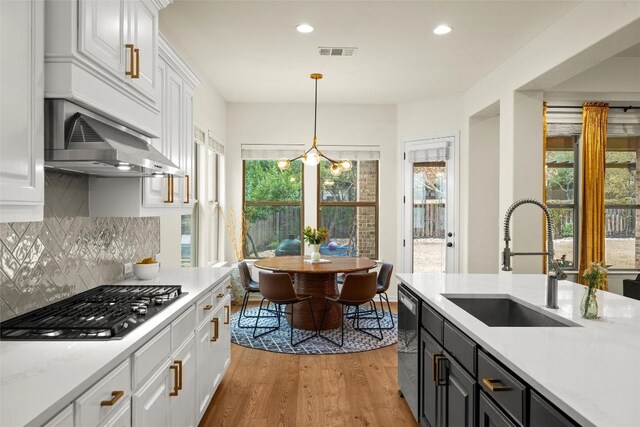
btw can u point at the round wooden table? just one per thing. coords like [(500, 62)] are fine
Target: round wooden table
[(317, 280)]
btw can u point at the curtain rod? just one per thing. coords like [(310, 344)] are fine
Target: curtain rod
[(625, 109)]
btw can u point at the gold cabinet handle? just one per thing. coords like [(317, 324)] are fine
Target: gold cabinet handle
[(434, 364), (115, 396), (169, 189), (137, 73), (176, 379), (188, 185), (495, 385), (130, 72), (227, 313), (229, 286), (220, 295), (179, 363), (207, 307), (215, 322)]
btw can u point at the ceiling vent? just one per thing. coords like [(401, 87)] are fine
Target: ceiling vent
[(337, 51)]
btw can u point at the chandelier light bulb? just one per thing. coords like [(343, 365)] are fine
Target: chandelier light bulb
[(346, 165), (283, 164), (335, 169), (311, 159)]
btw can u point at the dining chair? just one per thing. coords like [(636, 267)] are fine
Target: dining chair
[(358, 289), (250, 286), (383, 281), (278, 289)]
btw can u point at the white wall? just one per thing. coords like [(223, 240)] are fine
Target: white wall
[(484, 219), (337, 125)]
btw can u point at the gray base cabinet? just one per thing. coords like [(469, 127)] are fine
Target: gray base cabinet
[(448, 392), (462, 385)]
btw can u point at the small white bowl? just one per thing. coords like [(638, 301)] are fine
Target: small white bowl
[(146, 271)]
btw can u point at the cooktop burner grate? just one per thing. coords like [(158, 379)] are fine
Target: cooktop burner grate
[(105, 312)]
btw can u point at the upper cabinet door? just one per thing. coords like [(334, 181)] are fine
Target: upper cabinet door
[(173, 127), (187, 144), (21, 110), (143, 35), (101, 34)]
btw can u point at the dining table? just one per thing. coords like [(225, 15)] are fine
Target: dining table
[(317, 280)]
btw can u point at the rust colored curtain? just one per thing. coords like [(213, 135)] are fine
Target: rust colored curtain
[(594, 145), (544, 181)]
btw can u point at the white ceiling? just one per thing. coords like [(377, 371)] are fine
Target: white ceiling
[(251, 51)]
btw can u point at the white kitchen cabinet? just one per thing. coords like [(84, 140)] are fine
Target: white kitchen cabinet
[(63, 419), (211, 354), (151, 401), (183, 405), (101, 33), (102, 402), (102, 54), (143, 35), (21, 111), (187, 146)]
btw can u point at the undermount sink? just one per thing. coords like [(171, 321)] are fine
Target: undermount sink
[(503, 311)]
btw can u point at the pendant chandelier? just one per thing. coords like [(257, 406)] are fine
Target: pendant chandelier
[(313, 155)]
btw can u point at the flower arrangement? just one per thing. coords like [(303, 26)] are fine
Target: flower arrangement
[(595, 277), (315, 237)]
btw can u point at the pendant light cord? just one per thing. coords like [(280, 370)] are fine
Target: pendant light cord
[(315, 114)]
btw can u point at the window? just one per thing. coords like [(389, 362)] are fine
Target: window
[(348, 207), (622, 188), (561, 189), (273, 206)]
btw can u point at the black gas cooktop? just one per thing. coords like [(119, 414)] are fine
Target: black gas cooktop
[(102, 313)]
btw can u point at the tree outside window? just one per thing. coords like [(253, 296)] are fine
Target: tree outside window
[(272, 205)]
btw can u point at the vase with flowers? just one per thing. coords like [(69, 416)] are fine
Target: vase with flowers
[(314, 237), (595, 277)]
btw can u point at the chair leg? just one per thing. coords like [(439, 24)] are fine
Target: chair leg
[(271, 329), (315, 330), (324, 312), (243, 311), (365, 330), (386, 297), (385, 328)]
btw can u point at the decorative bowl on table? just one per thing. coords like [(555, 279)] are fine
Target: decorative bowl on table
[(146, 271)]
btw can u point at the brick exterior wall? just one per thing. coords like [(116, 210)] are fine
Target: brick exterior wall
[(366, 216)]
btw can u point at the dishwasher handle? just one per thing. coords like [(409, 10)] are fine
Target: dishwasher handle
[(408, 301)]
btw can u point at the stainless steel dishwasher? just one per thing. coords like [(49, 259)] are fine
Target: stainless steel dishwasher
[(408, 333)]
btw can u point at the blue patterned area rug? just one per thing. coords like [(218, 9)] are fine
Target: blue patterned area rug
[(278, 341)]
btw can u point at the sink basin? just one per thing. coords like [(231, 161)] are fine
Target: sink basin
[(504, 311)]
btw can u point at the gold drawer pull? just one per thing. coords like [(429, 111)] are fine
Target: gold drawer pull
[(435, 375), (220, 295), (229, 286), (227, 312), (179, 363), (130, 72), (115, 396), (176, 379), (215, 322), (207, 307), (495, 385)]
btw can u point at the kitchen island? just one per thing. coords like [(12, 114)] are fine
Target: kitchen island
[(40, 380), (590, 371)]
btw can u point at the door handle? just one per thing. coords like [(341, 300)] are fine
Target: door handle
[(179, 363), (215, 322), (449, 244), (130, 71), (169, 189), (434, 367), (137, 73), (227, 312), (176, 379)]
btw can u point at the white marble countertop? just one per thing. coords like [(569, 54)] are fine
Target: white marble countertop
[(38, 379), (590, 372)]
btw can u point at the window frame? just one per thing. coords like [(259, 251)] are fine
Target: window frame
[(246, 203), (320, 204), (577, 199)]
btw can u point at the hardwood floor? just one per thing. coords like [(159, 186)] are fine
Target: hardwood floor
[(268, 389)]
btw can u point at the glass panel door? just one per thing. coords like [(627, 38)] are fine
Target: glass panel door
[(429, 217)]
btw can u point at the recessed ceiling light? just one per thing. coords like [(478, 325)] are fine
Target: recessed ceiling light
[(442, 29), (304, 28)]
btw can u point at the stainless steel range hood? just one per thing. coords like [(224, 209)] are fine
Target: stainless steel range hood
[(78, 140)]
